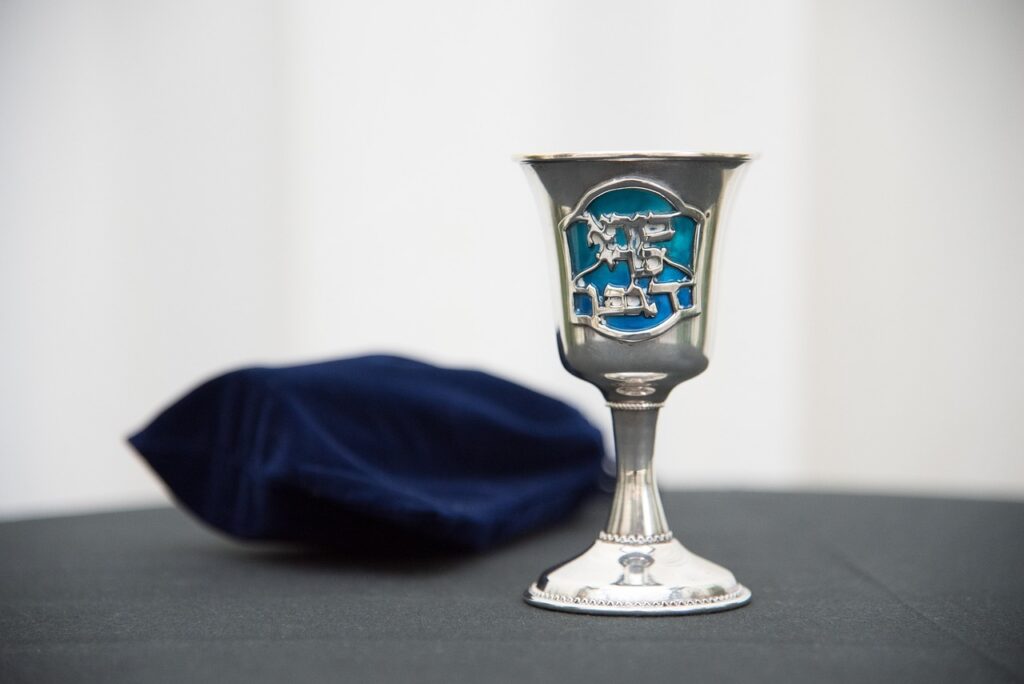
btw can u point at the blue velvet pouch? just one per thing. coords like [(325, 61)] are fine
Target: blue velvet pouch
[(376, 450)]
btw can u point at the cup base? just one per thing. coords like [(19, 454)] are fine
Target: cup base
[(611, 578)]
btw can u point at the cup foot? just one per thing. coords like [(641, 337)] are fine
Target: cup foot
[(611, 578)]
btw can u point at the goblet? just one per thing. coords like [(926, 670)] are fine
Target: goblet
[(634, 237)]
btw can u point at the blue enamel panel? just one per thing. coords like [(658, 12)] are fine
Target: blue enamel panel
[(628, 220), (584, 307)]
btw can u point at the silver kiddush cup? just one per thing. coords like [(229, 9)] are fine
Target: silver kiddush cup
[(634, 239)]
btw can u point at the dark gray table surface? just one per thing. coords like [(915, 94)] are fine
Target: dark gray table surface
[(846, 588)]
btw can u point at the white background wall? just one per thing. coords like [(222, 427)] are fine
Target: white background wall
[(189, 186)]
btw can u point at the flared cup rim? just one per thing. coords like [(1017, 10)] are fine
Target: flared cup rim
[(634, 156)]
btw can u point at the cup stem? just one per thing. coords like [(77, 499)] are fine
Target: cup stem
[(637, 514)]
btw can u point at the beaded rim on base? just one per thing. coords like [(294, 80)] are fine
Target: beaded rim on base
[(543, 599)]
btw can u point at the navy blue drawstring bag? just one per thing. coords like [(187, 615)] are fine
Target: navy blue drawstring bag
[(373, 452)]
